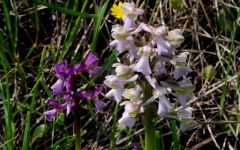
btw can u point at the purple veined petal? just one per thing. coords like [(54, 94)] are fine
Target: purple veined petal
[(91, 61), (129, 22), (69, 106), (62, 70), (77, 68), (113, 44), (94, 71), (84, 94), (134, 78), (127, 120), (142, 26), (55, 104), (121, 46), (143, 66), (68, 96), (129, 9), (50, 114), (57, 87), (182, 99), (164, 106), (152, 81), (90, 94), (163, 47), (99, 105), (116, 93), (69, 84), (180, 72), (133, 54), (97, 91), (118, 45)]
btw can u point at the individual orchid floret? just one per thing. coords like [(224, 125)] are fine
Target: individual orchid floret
[(50, 114), (129, 115), (117, 86), (122, 71), (143, 65), (164, 106), (159, 92), (133, 93), (63, 73), (175, 37), (158, 37), (93, 95), (131, 12), (57, 106), (180, 68), (184, 92), (62, 70), (185, 117), (58, 87), (123, 41), (156, 33)]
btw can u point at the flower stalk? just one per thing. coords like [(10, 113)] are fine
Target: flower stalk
[(77, 126), (148, 120)]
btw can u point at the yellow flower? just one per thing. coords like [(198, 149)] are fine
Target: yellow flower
[(116, 10)]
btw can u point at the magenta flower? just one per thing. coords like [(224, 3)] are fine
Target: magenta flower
[(93, 95), (57, 106), (65, 87)]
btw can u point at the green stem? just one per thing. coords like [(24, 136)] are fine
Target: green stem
[(149, 127), (77, 125), (148, 119)]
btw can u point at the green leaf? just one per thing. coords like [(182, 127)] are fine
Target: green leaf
[(178, 4), (39, 131), (66, 11)]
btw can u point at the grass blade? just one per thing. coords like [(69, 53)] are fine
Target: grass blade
[(35, 91), (7, 107), (66, 11), (98, 19), (174, 135)]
